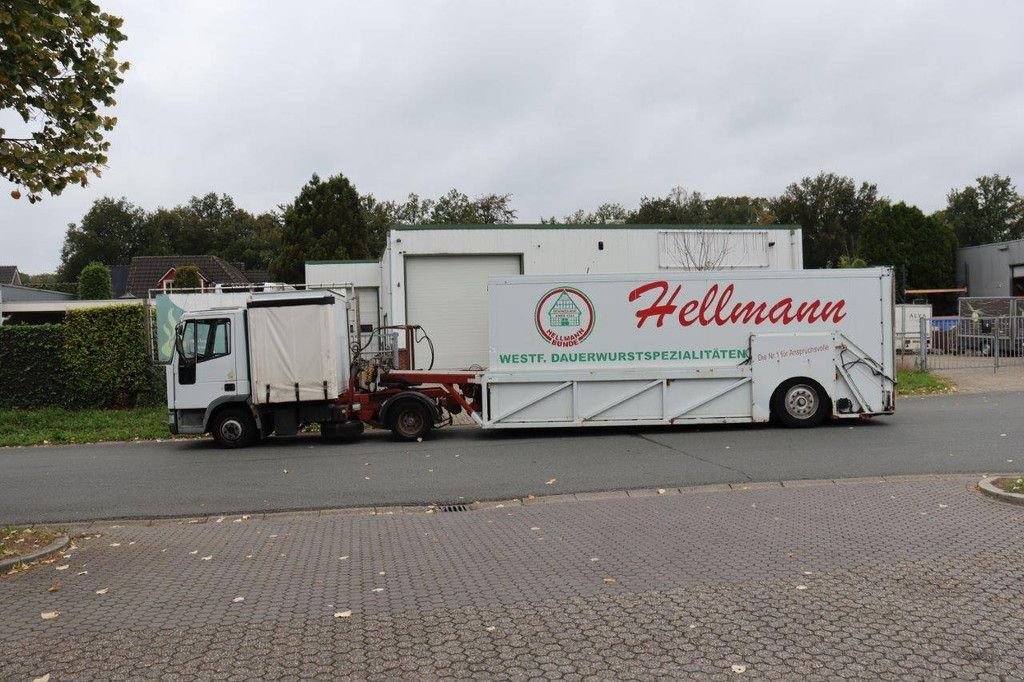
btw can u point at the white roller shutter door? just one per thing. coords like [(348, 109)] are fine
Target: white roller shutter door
[(447, 296)]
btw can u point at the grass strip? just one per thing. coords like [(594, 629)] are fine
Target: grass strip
[(911, 382), (52, 425)]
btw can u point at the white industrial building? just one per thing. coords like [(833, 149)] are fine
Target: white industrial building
[(436, 275)]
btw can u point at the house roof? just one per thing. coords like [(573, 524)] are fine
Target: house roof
[(145, 272), (9, 274), (258, 276)]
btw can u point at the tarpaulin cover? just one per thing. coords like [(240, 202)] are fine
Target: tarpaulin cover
[(293, 345)]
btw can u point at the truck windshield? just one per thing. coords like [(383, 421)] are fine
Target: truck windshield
[(203, 340)]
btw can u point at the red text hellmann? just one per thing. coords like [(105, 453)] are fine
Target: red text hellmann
[(717, 308)]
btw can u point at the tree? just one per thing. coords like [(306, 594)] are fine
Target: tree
[(58, 67), (922, 248), (94, 282), (992, 211), (456, 208), (112, 232), (830, 209), (608, 213), (213, 224), (187, 277), (324, 222), (680, 207)]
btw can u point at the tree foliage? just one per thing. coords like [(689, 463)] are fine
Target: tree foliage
[(112, 232), (187, 277), (455, 208), (990, 211), (830, 209), (58, 68), (325, 222), (94, 282), (921, 248)]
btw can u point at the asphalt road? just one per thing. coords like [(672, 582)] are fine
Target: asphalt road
[(940, 434)]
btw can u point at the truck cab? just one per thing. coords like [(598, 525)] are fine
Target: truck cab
[(209, 370)]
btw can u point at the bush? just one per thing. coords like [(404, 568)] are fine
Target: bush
[(94, 282), (31, 374), (97, 358), (187, 277), (104, 356)]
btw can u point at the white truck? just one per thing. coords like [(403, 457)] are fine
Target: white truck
[(587, 350)]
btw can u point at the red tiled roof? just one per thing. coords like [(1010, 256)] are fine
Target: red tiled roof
[(145, 272)]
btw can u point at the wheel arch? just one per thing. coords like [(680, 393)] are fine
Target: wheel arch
[(416, 396), (817, 385), (219, 404)]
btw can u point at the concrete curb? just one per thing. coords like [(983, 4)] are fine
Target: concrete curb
[(52, 548), (538, 500), (987, 486)]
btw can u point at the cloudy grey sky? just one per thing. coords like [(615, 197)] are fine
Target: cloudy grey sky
[(564, 104)]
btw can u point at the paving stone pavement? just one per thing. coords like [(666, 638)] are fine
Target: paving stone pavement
[(884, 580)]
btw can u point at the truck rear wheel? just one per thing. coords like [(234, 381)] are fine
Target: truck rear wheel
[(799, 403), (233, 427), (410, 420), (347, 431)]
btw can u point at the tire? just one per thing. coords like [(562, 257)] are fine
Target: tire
[(348, 431), (800, 403), (234, 427), (410, 420)]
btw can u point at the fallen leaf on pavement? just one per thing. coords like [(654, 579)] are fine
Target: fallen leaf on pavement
[(54, 587), (342, 614), (49, 615), (609, 581), (102, 590)]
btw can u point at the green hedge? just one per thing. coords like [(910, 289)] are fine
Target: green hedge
[(31, 374), (97, 358)]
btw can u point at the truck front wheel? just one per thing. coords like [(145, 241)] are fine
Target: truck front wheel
[(410, 420), (800, 403), (233, 427)]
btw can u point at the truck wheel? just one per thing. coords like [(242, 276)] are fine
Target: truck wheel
[(348, 431), (799, 403), (233, 427), (410, 420)]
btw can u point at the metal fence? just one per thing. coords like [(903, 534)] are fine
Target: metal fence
[(963, 342)]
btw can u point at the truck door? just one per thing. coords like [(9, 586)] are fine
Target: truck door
[(210, 361)]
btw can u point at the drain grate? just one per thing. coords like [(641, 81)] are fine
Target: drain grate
[(454, 507)]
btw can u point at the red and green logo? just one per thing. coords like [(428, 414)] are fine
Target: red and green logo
[(564, 317)]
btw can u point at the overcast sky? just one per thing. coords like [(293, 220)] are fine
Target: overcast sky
[(564, 104)]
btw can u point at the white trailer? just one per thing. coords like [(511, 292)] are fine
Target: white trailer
[(908, 326), (697, 347), (586, 350)]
